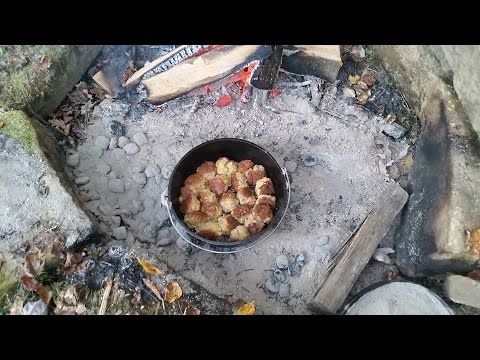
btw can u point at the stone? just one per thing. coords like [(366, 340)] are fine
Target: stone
[(73, 160), (393, 172), (183, 245), (102, 168), (296, 207), (319, 243), (167, 171), (164, 241), (284, 290), (131, 148), (122, 141), (138, 169), (295, 268), (116, 129), (35, 308), (116, 185), (291, 166), (281, 262), (140, 139), (463, 290), (120, 233), (102, 142), (140, 179), (394, 130), (309, 160), (278, 275), (152, 170), (113, 143), (118, 155), (272, 285), (82, 180), (149, 203), (138, 204), (116, 221), (151, 231)]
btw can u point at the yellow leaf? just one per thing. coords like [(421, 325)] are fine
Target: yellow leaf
[(474, 241), (246, 309), (349, 92), (149, 268), (173, 292), (353, 79), (407, 161)]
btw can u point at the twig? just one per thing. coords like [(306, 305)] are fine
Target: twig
[(106, 294)]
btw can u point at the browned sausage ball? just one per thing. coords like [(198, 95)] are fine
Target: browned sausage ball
[(245, 165), (228, 201), (264, 186), (266, 199), (195, 218), (207, 169), (239, 233), (227, 223), (239, 181), (209, 230), (241, 212), (255, 173), (246, 197)]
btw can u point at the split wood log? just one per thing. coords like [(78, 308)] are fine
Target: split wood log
[(265, 75), (335, 289), (202, 70), (322, 61)]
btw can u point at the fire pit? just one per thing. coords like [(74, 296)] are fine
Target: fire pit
[(235, 149)]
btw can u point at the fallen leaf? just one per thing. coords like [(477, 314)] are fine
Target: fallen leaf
[(407, 161), (246, 309), (153, 288), (149, 268), (474, 274), (33, 265), (363, 85), (81, 309), (474, 241), (191, 310), (353, 79), (17, 306), (381, 254), (224, 100), (33, 285), (45, 63), (390, 118), (357, 52), (18, 61), (173, 292), (369, 79), (349, 92), (2, 124), (71, 262)]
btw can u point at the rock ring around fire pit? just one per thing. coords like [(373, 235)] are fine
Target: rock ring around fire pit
[(235, 149)]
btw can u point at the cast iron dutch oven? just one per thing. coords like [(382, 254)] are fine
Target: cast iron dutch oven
[(235, 149)]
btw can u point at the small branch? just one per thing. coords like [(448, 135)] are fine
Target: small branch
[(106, 294)]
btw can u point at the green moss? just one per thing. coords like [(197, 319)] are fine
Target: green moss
[(17, 124), (22, 85)]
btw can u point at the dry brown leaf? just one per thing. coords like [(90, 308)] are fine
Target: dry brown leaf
[(362, 96), (153, 288), (246, 309), (363, 85), (353, 79), (474, 241), (17, 306), (349, 92), (33, 285), (2, 124), (390, 118), (474, 274), (71, 262), (45, 63), (33, 265), (357, 53), (149, 268), (369, 79), (173, 292), (191, 310)]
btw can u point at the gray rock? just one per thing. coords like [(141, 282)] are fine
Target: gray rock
[(140, 178), (150, 231), (118, 155), (284, 290), (296, 207), (394, 172), (106, 209), (394, 130), (132, 210), (113, 143), (463, 290), (102, 168), (281, 262), (138, 169), (111, 107), (140, 139), (319, 243), (164, 241), (152, 170), (149, 203), (131, 148), (309, 160), (115, 128), (272, 285), (120, 233), (122, 141), (167, 171), (291, 166), (73, 160), (295, 268), (102, 142), (279, 276), (82, 180), (183, 245), (95, 152), (138, 204), (35, 308), (116, 221), (116, 185)]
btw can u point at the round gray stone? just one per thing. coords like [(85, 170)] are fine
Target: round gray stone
[(149, 203), (95, 152), (138, 169), (122, 141), (102, 168), (150, 231), (291, 166), (116, 185), (131, 148), (167, 171), (319, 243), (115, 128), (140, 139), (113, 143), (138, 204), (284, 290), (118, 154), (140, 179), (281, 262), (102, 142), (82, 180), (116, 220), (278, 275), (272, 285), (119, 233), (73, 160), (309, 160), (152, 170), (164, 240)]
